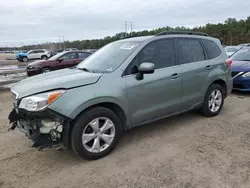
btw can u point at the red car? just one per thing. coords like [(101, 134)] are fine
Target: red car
[(59, 61)]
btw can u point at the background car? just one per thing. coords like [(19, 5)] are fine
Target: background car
[(241, 69), (60, 61), (230, 50), (33, 54), (70, 49), (244, 45)]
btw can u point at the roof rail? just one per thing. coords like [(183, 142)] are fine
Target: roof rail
[(181, 33)]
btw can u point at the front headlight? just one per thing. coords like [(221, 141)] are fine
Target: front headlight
[(246, 74), (40, 101)]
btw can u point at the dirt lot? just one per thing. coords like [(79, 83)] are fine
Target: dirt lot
[(12, 59), (185, 151)]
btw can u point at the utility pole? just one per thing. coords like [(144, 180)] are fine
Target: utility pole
[(63, 43), (131, 28), (60, 43), (126, 28)]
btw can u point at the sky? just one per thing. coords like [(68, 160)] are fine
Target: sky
[(36, 21)]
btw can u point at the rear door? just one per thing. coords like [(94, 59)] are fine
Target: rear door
[(193, 64)]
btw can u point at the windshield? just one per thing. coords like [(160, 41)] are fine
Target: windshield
[(242, 55), (109, 57), (55, 57)]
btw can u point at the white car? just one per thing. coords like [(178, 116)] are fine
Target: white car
[(230, 50), (34, 54)]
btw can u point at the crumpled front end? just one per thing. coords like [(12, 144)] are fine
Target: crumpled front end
[(46, 129)]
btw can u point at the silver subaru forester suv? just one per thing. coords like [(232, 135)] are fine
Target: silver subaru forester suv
[(125, 84)]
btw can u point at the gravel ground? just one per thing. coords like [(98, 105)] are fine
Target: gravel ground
[(187, 151)]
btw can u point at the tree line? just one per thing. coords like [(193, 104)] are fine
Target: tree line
[(231, 32)]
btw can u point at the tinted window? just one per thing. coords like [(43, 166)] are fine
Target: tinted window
[(83, 55), (190, 50), (69, 56), (161, 53), (212, 48)]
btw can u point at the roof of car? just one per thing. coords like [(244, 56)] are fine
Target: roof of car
[(169, 35)]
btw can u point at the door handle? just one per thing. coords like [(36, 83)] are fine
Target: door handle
[(208, 68), (174, 76)]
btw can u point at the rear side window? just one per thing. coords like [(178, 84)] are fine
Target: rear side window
[(212, 48), (83, 55), (190, 50)]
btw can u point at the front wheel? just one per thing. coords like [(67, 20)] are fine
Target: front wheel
[(44, 57), (213, 101), (25, 59), (45, 70), (95, 133)]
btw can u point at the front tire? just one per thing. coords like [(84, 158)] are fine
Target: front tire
[(214, 100), (44, 57), (95, 133), (25, 59), (45, 70)]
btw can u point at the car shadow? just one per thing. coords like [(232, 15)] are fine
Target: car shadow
[(157, 128), (241, 94)]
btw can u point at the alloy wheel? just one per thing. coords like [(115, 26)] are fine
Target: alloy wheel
[(98, 135), (215, 100)]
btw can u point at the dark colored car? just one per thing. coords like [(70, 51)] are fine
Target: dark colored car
[(241, 69), (59, 61)]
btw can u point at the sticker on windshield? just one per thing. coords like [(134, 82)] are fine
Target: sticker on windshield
[(128, 46)]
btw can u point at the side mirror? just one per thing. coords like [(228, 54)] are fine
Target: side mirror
[(60, 59), (145, 68)]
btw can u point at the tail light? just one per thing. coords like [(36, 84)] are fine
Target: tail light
[(229, 62)]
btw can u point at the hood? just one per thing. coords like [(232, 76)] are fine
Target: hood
[(37, 62), (21, 54), (61, 79), (241, 66)]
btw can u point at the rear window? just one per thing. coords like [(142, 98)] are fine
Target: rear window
[(212, 48)]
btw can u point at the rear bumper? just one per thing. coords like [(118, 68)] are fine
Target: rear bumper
[(229, 86)]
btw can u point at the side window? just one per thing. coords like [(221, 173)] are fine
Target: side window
[(161, 53), (69, 56), (39, 51), (212, 48), (83, 55), (190, 50)]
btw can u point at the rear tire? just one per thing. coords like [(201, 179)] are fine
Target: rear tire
[(85, 134), (214, 100)]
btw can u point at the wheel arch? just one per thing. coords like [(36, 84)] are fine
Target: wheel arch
[(109, 103), (220, 82)]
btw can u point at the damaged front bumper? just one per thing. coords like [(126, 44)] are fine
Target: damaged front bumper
[(45, 129)]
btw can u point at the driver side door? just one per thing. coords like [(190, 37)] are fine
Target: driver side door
[(67, 60), (158, 94)]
